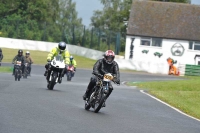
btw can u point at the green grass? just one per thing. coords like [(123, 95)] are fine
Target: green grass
[(5, 69), (39, 57), (182, 94)]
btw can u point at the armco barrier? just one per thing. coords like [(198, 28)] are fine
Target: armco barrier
[(47, 46), (139, 65)]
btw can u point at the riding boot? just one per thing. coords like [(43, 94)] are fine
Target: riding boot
[(45, 73), (90, 86)]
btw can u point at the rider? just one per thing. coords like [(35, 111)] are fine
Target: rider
[(73, 62), (19, 57), (101, 67), (28, 60), (54, 52), (1, 56)]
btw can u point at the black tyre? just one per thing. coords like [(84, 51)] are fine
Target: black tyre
[(69, 76), (99, 104), (53, 81), (25, 73), (16, 75)]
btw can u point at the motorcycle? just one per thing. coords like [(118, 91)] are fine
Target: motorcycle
[(18, 70), (26, 70), (70, 72), (57, 67), (99, 93)]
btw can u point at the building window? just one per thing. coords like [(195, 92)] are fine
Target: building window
[(145, 41), (194, 45), (190, 45), (157, 42)]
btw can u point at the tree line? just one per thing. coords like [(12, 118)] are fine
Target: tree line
[(56, 20)]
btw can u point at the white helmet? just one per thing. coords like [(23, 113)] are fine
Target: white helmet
[(27, 53)]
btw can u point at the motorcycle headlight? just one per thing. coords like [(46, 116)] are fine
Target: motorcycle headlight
[(105, 90)]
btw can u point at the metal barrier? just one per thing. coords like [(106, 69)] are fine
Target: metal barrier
[(192, 70)]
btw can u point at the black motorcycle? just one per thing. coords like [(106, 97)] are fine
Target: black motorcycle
[(18, 70), (26, 69), (57, 67), (99, 93)]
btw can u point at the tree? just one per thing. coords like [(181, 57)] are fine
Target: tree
[(47, 20)]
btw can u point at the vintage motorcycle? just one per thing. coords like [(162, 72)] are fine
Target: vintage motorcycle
[(26, 70), (70, 72), (57, 67), (18, 70), (99, 93)]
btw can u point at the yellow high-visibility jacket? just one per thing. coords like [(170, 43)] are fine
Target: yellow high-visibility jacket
[(73, 62), (55, 51)]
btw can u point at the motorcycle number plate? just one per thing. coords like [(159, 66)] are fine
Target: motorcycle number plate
[(108, 77)]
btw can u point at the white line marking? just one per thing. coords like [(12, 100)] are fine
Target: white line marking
[(142, 91)]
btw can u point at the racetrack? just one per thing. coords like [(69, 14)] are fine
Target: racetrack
[(27, 106)]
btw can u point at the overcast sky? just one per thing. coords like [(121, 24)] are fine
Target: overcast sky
[(195, 2), (85, 9)]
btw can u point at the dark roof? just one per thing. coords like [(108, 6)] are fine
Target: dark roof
[(165, 19)]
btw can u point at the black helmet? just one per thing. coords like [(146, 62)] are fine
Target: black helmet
[(20, 52), (62, 46), (0, 50)]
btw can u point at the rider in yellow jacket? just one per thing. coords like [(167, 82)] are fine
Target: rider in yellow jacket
[(61, 49), (73, 62)]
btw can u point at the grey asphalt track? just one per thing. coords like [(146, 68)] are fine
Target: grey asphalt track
[(27, 106)]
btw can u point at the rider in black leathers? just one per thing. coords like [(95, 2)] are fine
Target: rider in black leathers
[(101, 67), (19, 57)]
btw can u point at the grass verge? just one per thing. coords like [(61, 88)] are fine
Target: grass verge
[(182, 94), (6, 69), (39, 57)]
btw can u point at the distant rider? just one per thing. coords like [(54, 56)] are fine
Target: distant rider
[(73, 63), (54, 52), (101, 67), (28, 60), (1, 56), (19, 57)]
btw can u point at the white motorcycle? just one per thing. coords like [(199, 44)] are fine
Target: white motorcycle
[(57, 68)]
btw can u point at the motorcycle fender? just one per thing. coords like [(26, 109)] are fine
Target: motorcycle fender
[(50, 78)]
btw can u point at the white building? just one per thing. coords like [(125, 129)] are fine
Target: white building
[(165, 28)]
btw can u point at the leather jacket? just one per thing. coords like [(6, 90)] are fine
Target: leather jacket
[(101, 67)]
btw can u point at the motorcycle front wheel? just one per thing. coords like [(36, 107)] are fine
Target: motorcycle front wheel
[(69, 76), (52, 82), (99, 103)]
